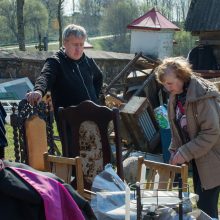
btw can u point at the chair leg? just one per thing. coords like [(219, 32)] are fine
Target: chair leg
[(79, 176)]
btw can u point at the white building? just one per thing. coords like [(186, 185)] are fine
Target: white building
[(152, 34)]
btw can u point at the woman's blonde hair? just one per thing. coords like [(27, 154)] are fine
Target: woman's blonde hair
[(178, 65)]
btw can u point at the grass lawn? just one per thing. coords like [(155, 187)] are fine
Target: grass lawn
[(9, 151)]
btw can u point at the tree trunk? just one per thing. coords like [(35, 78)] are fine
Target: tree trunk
[(59, 18), (20, 25)]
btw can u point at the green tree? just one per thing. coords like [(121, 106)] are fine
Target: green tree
[(35, 19), (52, 26), (90, 15), (114, 21), (184, 43), (117, 16), (8, 12)]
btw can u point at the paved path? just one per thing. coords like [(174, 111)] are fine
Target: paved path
[(54, 43)]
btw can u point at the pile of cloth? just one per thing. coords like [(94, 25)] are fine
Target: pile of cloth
[(26, 193)]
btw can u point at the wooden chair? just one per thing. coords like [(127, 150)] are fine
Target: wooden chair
[(63, 166), (84, 132), (167, 174), (32, 133)]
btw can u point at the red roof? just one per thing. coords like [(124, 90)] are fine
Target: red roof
[(152, 20)]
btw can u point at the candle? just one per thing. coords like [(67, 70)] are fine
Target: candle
[(143, 175), (127, 202), (156, 184)]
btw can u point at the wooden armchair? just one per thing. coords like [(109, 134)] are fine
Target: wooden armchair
[(167, 174), (63, 168), (84, 133)]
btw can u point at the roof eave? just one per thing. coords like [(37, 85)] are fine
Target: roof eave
[(151, 28)]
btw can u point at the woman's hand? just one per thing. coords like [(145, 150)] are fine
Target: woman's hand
[(177, 159)]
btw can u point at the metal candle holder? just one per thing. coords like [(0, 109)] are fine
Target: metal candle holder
[(154, 215)]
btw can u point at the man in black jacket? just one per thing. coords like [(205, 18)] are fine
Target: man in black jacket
[(70, 75)]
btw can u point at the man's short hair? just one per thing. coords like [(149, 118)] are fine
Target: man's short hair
[(74, 30)]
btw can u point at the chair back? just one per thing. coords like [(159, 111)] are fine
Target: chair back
[(32, 133), (36, 140), (84, 132), (167, 173), (63, 167)]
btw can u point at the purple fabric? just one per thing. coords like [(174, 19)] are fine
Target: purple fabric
[(58, 203)]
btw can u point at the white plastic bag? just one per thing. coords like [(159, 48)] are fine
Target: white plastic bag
[(109, 202)]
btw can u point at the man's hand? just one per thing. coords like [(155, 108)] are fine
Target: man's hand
[(34, 97), (177, 159)]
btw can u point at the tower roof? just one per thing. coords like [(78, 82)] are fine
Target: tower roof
[(152, 20)]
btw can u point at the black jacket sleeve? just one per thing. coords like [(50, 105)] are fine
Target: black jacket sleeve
[(97, 78), (48, 75)]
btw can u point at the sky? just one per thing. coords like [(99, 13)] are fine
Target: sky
[(68, 6)]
